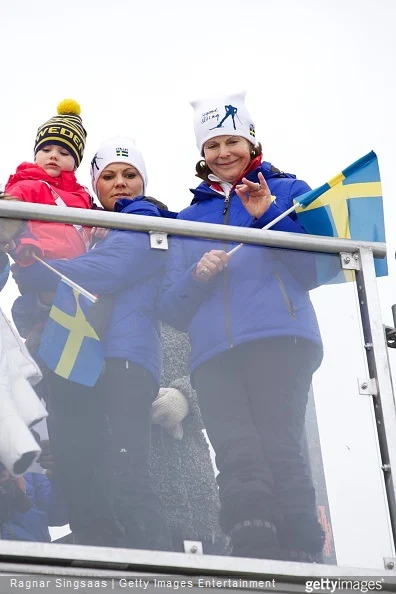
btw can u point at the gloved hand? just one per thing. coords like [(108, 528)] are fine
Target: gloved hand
[(169, 409)]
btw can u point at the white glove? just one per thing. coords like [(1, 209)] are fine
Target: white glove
[(169, 409)]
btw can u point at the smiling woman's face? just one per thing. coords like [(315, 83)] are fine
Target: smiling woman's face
[(118, 180), (228, 156)]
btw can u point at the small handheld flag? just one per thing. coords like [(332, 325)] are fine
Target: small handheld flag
[(349, 206), (69, 345)]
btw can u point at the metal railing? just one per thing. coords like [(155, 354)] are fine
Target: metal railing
[(111, 220), (375, 347)]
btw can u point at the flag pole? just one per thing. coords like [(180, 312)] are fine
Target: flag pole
[(268, 226), (67, 280)]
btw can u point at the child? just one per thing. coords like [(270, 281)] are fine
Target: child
[(58, 149)]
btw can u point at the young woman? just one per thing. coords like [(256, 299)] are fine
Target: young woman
[(110, 505)]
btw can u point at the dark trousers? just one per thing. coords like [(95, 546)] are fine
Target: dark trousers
[(253, 400), (101, 439)]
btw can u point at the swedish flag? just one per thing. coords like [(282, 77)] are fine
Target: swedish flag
[(69, 344), (348, 206)]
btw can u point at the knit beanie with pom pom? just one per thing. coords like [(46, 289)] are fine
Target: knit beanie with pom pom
[(64, 129)]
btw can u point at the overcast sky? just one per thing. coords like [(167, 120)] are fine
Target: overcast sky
[(320, 82)]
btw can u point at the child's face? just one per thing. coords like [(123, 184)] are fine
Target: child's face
[(54, 159)]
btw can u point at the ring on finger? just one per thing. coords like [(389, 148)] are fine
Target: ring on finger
[(204, 271), (258, 187)]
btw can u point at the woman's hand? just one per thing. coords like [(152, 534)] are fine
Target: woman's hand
[(255, 197), (211, 264), (99, 233)]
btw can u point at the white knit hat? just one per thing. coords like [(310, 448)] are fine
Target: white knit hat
[(220, 116), (118, 149)]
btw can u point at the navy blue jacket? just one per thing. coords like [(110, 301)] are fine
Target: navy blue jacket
[(47, 510), (123, 266), (262, 293)]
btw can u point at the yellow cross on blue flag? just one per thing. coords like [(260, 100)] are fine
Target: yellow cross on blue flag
[(348, 206), (69, 344)]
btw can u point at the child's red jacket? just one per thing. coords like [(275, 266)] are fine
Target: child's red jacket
[(31, 183)]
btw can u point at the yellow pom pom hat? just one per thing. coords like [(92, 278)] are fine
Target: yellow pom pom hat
[(64, 129)]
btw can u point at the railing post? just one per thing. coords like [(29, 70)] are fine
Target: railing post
[(378, 364)]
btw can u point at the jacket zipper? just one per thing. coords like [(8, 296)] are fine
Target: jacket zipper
[(226, 207), (288, 301), (226, 213)]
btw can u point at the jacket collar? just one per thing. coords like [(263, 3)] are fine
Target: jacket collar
[(142, 207)]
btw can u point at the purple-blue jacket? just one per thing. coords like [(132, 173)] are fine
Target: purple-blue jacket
[(124, 267), (262, 293)]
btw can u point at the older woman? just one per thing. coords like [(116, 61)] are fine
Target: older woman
[(254, 335)]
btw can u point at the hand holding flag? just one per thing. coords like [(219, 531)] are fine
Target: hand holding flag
[(349, 206)]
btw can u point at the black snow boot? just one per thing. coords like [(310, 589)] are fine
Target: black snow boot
[(301, 539), (255, 539)]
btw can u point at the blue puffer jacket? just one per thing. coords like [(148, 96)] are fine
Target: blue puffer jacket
[(48, 510), (263, 291), (124, 267)]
